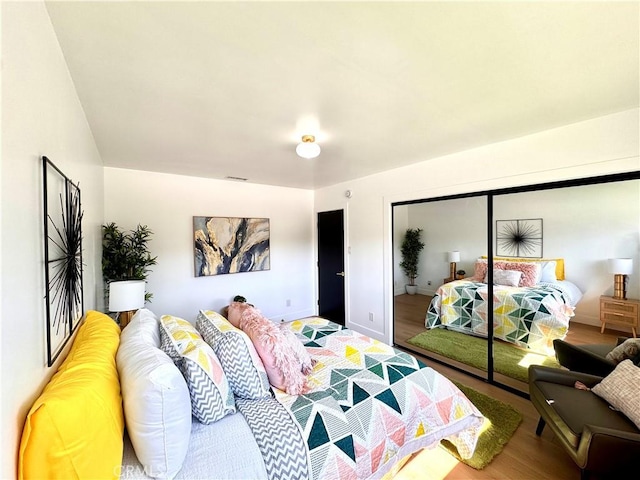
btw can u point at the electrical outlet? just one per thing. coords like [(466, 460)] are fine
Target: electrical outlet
[(428, 282), (371, 316), (288, 302)]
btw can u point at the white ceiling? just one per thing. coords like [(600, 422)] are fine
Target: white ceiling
[(216, 89)]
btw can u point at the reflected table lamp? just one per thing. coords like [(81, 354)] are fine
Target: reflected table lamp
[(620, 267), (126, 297), (454, 257)]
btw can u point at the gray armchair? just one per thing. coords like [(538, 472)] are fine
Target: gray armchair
[(586, 358), (598, 439)]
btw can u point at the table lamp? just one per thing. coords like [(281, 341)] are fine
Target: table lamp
[(453, 258), (620, 267), (126, 297)]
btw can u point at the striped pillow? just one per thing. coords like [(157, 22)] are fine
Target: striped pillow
[(240, 361), (211, 395)]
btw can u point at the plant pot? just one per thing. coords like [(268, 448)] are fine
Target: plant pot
[(411, 289)]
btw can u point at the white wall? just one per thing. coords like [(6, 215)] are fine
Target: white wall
[(599, 146), (167, 204), (458, 224), (41, 116), (400, 225)]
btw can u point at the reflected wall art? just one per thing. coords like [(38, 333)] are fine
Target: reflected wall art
[(519, 238), (230, 245)]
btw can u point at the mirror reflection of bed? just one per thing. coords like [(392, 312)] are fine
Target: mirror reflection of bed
[(410, 311), (583, 224)]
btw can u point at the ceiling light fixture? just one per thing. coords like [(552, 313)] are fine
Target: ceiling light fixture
[(308, 148)]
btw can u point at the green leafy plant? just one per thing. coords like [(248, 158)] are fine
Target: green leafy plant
[(126, 255), (410, 249)]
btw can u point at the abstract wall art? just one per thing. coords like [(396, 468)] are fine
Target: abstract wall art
[(519, 238), (62, 258), (230, 245)]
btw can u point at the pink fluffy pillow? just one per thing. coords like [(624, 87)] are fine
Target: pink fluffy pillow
[(530, 272), (480, 271), (280, 359), (234, 311), (301, 353)]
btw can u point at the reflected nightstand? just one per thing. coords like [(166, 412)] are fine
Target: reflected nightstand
[(619, 312)]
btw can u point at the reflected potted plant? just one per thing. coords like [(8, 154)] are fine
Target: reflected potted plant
[(410, 250)]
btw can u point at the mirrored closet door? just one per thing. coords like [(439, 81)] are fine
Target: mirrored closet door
[(548, 274)]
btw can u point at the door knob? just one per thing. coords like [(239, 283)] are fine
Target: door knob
[(340, 273)]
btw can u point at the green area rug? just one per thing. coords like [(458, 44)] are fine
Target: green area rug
[(508, 360), (501, 422)]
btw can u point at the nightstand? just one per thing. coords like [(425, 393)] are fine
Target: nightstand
[(619, 312)]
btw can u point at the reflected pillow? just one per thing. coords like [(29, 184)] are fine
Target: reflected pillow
[(548, 272), (629, 349), (480, 271), (530, 272), (510, 278)]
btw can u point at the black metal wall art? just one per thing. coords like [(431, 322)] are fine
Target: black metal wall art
[(519, 238), (62, 257)]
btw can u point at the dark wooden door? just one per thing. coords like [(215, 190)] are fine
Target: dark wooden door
[(331, 266)]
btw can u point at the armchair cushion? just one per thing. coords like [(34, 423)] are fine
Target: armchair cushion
[(621, 388), (571, 409)]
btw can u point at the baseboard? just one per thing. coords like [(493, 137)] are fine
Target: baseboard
[(366, 331), (290, 317)]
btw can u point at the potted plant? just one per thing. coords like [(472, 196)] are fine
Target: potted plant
[(460, 274), (410, 250), (126, 255)]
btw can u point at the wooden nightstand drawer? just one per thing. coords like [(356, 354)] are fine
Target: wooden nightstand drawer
[(619, 312), (628, 306), (613, 317)]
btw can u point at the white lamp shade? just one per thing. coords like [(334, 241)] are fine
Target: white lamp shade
[(126, 295), (622, 266), (308, 150), (454, 256)]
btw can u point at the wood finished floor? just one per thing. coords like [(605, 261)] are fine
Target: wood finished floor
[(526, 456)]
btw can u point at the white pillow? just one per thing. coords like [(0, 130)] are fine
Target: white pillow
[(510, 278), (548, 272), (155, 396)]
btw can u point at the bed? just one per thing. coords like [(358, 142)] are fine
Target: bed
[(367, 406), (529, 314)]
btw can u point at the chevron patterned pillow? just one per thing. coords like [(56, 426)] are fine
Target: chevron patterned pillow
[(211, 395), (240, 361)]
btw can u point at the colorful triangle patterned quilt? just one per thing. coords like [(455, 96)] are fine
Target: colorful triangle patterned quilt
[(370, 405), (531, 317)]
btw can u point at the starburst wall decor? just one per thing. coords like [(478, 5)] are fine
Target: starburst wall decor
[(63, 257), (519, 238)]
